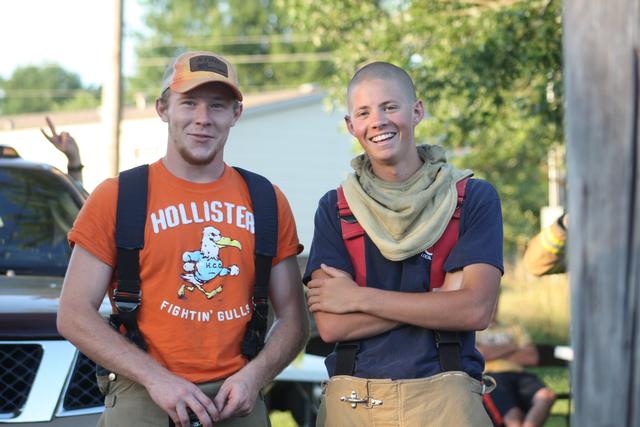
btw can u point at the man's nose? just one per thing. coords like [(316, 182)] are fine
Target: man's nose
[(379, 119), (202, 115)]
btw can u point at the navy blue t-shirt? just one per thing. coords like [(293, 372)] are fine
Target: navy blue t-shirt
[(409, 351)]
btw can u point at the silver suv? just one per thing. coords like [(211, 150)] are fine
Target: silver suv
[(38, 205)]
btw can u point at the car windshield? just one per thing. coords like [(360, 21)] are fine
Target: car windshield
[(37, 209)]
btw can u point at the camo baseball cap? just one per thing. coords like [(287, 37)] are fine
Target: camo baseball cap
[(192, 69)]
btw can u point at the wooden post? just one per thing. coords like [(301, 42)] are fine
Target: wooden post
[(112, 91), (601, 45)]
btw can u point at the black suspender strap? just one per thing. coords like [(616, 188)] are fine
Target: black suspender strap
[(130, 223), (346, 357), (265, 212), (448, 345)]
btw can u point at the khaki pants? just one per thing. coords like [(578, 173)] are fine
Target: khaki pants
[(449, 399), (128, 404)]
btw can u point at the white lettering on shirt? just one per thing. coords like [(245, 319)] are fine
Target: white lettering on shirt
[(210, 212), (204, 316)]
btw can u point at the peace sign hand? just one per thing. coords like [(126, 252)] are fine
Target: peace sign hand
[(63, 142)]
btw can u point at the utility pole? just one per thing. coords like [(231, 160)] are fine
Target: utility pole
[(601, 42), (112, 90)]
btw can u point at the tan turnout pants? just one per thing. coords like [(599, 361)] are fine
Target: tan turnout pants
[(449, 399), (128, 404)]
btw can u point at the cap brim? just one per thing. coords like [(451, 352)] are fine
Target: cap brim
[(190, 84)]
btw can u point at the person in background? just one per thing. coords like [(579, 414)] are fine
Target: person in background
[(546, 252), (521, 398), (67, 145)]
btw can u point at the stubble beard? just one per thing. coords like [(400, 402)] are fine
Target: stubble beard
[(188, 157)]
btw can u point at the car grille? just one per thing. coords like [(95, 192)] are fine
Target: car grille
[(18, 367), (83, 391)]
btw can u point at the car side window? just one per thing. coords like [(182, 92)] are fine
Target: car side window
[(37, 209)]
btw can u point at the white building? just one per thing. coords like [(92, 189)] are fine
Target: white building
[(287, 136)]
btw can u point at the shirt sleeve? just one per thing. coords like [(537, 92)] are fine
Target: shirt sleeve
[(94, 228), (480, 236), (545, 253), (288, 242), (327, 246)]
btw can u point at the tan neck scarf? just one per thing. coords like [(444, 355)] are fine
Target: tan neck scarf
[(405, 218)]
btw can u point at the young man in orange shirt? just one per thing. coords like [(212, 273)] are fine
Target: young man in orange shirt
[(196, 269)]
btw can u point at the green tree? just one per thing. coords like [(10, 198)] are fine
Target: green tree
[(489, 72), (48, 87), (254, 34)]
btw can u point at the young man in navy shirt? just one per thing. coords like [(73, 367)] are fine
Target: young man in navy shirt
[(403, 196)]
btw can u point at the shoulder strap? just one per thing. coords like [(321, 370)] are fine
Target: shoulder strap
[(265, 212), (353, 237), (447, 343), (131, 216), (442, 248)]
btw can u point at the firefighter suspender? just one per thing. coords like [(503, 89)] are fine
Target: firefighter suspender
[(447, 343), (130, 224), (131, 217), (265, 212)]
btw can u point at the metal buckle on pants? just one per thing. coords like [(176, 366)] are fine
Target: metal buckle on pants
[(354, 400), (488, 384)]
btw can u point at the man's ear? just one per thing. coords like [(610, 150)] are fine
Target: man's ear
[(349, 123), (161, 109), (418, 112), (237, 112)]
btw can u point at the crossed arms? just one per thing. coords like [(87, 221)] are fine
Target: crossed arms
[(344, 311)]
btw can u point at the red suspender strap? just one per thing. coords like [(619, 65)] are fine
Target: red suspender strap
[(353, 236), (441, 249), (448, 343), (492, 410)]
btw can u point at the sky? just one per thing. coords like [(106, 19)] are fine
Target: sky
[(75, 34)]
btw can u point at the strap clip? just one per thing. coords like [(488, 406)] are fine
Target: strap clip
[(445, 338), (127, 302), (260, 306)]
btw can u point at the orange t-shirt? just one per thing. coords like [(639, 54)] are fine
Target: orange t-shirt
[(197, 266)]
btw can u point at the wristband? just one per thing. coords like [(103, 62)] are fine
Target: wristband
[(75, 168)]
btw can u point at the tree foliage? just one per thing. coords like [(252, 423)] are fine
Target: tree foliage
[(48, 87), (248, 32), (488, 71)]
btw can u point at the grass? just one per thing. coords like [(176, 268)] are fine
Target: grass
[(541, 305), (556, 378)]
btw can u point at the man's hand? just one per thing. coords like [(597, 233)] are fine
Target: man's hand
[(237, 396), (174, 395), (335, 294), (64, 142)]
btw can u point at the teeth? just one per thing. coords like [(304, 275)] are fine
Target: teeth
[(383, 137)]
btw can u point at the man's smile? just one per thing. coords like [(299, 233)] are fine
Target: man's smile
[(202, 136), (383, 137)]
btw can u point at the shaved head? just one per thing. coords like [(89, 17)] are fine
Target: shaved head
[(383, 71)]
